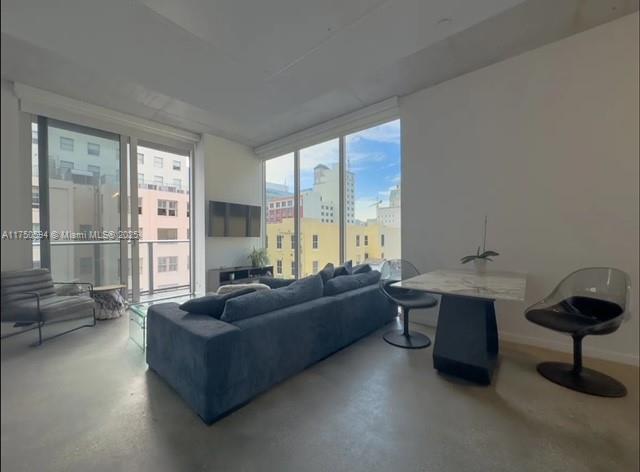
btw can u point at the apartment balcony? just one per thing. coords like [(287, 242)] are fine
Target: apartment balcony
[(164, 266)]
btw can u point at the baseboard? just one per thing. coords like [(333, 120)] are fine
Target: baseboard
[(560, 346), (568, 347)]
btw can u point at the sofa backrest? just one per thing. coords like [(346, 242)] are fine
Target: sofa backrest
[(258, 303), (15, 283), (345, 283)]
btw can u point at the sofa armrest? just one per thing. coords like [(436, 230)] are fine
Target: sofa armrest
[(201, 357)]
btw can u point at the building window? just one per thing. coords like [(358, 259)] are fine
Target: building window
[(279, 267), (314, 267), (158, 180), (158, 162), (382, 240), (35, 197), (66, 144), (167, 208), (177, 183), (366, 240), (293, 241), (95, 170), (34, 136), (315, 243), (93, 149), (188, 209), (168, 264), (266, 241), (140, 158), (357, 240), (279, 241), (366, 256), (293, 268), (177, 165), (139, 205), (167, 233)]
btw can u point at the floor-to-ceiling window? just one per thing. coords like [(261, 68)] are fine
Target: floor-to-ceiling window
[(164, 219), (79, 205), (319, 212), (83, 200), (280, 238), (348, 202), (372, 194)]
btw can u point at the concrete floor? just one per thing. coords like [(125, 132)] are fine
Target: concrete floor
[(86, 402)]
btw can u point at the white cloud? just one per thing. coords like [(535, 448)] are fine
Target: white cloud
[(384, 133)]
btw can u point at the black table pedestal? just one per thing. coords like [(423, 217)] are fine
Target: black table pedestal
[(466, 344)]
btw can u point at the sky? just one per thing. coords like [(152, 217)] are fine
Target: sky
[(373, 155)]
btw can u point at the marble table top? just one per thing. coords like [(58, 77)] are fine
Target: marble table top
[(490, 285)]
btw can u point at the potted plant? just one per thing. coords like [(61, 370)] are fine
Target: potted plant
[(480, 259), (258, 257)]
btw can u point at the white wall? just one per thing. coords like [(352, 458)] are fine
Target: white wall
[(16, 184), (546, 144), (232, 174)]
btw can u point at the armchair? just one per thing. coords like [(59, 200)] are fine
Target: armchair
[(29, 297)]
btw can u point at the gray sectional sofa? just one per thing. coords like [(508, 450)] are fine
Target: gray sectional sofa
[(262, 338)]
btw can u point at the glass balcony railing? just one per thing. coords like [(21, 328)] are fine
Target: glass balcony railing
[(163, 265)]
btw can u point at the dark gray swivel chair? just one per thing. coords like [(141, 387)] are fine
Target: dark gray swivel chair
[(29, 297), (391, 272), (588, 301)]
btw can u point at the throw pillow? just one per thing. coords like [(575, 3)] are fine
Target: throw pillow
[(327, 272), (344, 269), (276, 283), (362, 269), (212, 305)]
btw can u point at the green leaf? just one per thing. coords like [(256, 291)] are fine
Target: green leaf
[(466, 259), (489, 253)]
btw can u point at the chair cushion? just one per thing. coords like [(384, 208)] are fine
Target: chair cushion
[(53, 308), (350, 282), (574, 314), (344, 269), (212, 305), (409, 298), (264, 301), (362, 269), (327, 272)]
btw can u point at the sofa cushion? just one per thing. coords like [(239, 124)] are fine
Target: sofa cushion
[(351, 282), (274, 282), (362, 269), (257, 303), (344, 269), (327, 272), (212, 305)]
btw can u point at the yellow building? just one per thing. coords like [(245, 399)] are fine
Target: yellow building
[(320, 244)]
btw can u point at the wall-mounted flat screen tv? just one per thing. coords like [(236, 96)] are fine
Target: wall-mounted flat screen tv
[(233, 220)]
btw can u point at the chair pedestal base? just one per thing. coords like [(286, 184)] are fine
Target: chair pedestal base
[(586, 380), (411, 340)]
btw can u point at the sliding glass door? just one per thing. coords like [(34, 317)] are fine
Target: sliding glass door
[(78, 197), (80, 176)]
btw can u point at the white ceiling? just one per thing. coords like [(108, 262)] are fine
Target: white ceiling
[(258, 70)]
